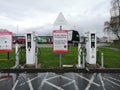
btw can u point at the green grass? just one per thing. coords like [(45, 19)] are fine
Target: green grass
[(111, 57), (48, 59), (4, 62), (113, 45)]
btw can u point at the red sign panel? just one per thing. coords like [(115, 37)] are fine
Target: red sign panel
[(60, 41), (5, 41)]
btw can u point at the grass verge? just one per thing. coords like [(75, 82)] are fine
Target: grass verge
[(111, 57), (114, 45), (48, 59)]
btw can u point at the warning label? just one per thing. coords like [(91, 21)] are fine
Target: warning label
[(60, 41), (5, 41)]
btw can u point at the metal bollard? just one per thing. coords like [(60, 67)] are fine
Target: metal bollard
[(17, 54), (83, 60), (102, 60), (79, 55)]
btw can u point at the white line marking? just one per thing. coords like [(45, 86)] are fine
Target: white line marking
[(15, 85), (114, 79), (57, 87), (76, 87), (103, 85), (90, 82), (59, 76), (67, 84), (53, 77), (43, 81), (30, 84), (30, 80), (111, 82), (3, 79), (67, 78)]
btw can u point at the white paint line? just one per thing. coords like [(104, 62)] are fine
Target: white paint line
[(67, 78), (3, 79), (103, 85), (71, 81), (22, 76), (67, 84), (111, 82), (15, 84), (30, 84), (76, 87), (53, 77), (29, 80), (90, 82), (43, 81), (114, 79), (52, 73), (57, 87)]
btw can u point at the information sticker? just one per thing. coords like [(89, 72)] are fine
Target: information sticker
[(60, 41), (5, 41)]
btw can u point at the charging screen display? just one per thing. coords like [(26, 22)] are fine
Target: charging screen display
[(92, 40), (29, 40)]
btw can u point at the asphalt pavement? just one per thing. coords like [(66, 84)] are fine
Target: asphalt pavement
[(65, 81)]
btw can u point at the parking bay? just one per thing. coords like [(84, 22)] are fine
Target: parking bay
[(65, 81)]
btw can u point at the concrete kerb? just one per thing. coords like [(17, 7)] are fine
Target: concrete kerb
[(62, 70)]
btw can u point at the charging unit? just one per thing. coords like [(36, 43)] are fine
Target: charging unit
[(31, 49), (91, 48)]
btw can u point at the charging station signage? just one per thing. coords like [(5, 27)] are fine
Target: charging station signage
[(5, 41), (60, 41)]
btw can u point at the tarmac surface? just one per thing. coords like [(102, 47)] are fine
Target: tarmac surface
[(65, 81)]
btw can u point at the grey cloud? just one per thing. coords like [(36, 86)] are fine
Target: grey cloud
[(81, 14)]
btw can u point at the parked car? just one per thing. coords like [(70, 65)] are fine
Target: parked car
[(21, 40)]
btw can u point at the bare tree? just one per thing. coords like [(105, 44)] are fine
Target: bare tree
[(113, 26)]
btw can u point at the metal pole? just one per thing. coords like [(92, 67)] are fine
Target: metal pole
[(60, 27), (36, 51), (36, 62), (60, 59), (102, 60), (17, 28), (17, 54), (83, 60), (79, 55), (8, 55), (60, 53)]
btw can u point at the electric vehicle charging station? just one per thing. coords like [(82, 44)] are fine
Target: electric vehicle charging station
[(91, 48), (31, 49)]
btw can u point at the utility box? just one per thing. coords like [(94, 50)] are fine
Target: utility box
[(31, 49), (91, 48)]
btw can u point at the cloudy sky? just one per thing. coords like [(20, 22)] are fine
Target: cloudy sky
[(39, 15)]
